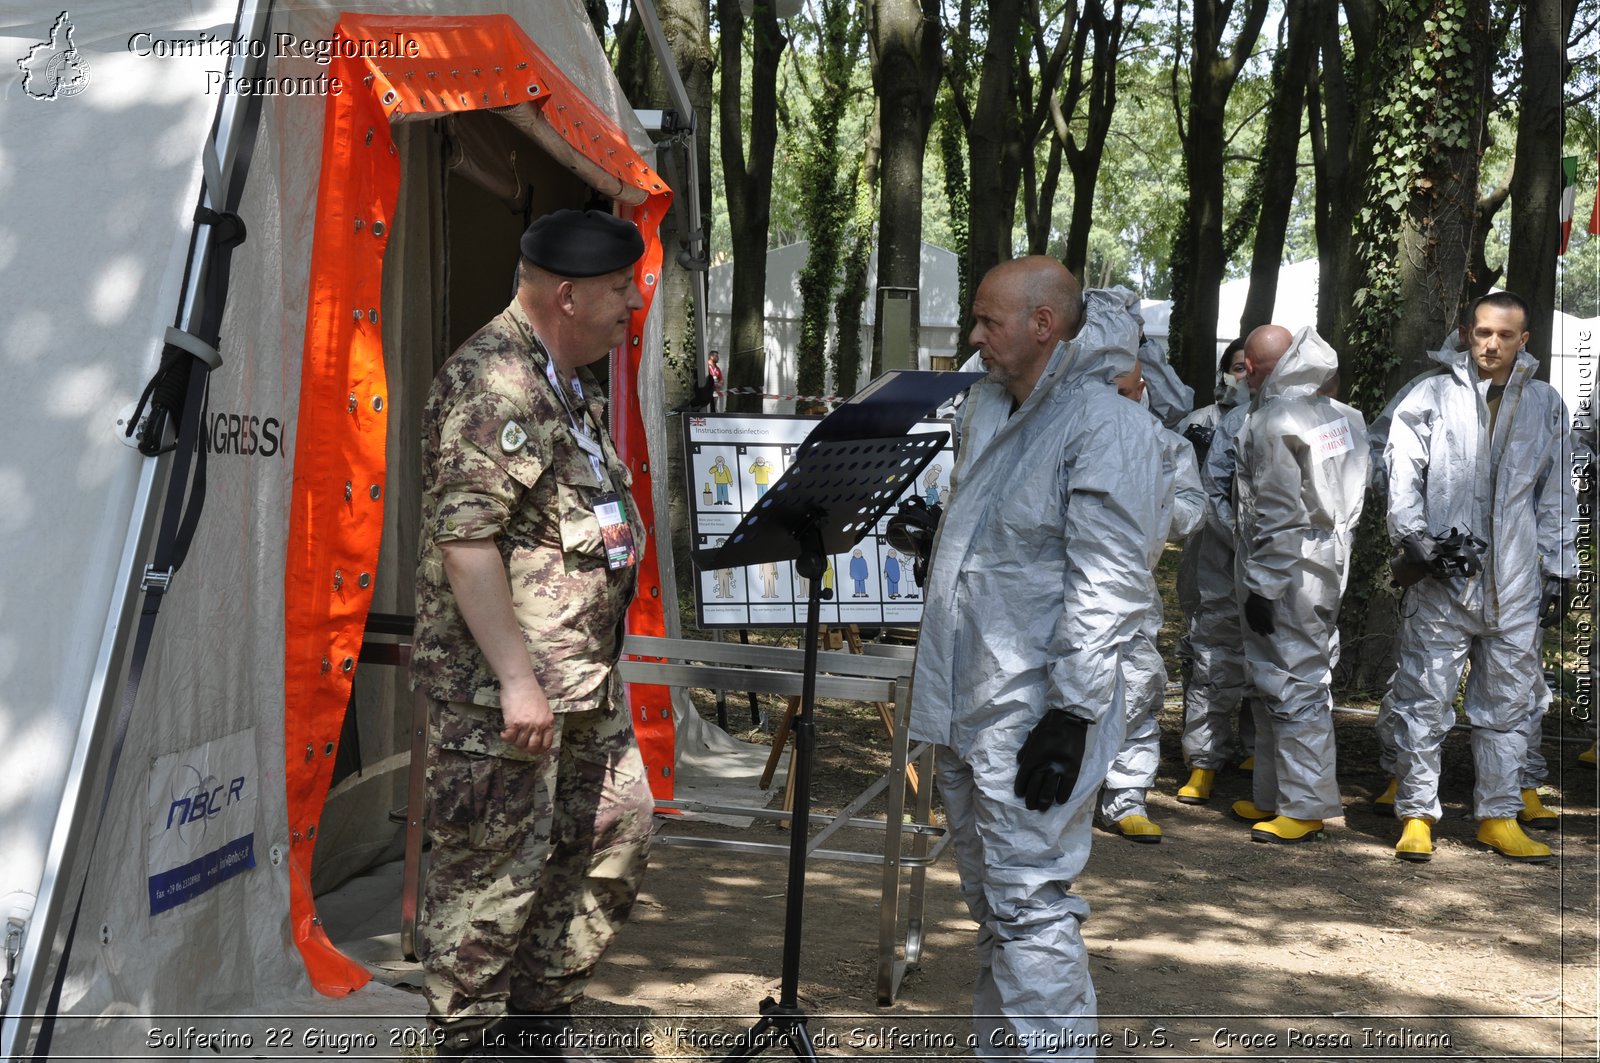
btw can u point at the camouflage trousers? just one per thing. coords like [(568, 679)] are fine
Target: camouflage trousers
[(534, 866)]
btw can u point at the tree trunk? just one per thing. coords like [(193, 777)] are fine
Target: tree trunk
[(747, 182), (1212, 74), (1436, 235), (853, 287), (1040, 218), (952, 150), (1278, 170), (1341, 151), (991, 144), (1413, 240), (826, 211), (1536, 184), (1083, 158), (905, 73), (686, 25)]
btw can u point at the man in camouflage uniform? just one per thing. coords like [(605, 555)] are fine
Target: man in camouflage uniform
[(538, 807)]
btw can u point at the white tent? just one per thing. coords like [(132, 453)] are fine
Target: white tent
[(938, 309), (1295, 307), (381, 210)]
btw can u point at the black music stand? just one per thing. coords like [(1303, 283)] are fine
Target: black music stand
[(836, 491)]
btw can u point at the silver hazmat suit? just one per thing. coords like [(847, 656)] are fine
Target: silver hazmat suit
[(1298, 494), (1170, 398), (1212, 644), (1514, 491), (1038, 580), (1144, 675)]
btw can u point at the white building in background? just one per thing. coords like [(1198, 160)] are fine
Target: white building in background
[(939, 312)]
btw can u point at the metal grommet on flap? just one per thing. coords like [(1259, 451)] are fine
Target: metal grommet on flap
[(389, 97), (347, 665), (372, 313), (364, 580), (376, 492), (377, 228)]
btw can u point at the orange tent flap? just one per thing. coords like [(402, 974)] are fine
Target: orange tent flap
[(386, 65)]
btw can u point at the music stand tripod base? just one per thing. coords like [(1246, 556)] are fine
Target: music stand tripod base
[(826, 502)]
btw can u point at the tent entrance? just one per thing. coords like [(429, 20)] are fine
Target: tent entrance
[(469, 184), (406, 261)]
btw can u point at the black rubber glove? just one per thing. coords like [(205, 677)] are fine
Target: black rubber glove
[(1199, 436), (1555, 604), (1049, 760), (1258, 614), (1417, 549), (1413, 562)]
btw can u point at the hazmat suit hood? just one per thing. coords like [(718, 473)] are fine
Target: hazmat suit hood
[(1457, 358), (1305, 368), (1105, 344)]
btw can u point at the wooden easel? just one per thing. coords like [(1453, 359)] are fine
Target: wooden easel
[(826, 639)]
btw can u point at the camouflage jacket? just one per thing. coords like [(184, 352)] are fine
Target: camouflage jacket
[(500, 458)]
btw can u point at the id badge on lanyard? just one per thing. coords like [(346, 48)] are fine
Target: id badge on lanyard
[(611, 510)]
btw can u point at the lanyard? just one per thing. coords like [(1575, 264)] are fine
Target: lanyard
[(585, 436)]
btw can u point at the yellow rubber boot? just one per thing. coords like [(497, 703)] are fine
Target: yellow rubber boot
[(1534, 814), (1197, 791), (1138, 829), (1505, 837), (1383, 804), (1416, 840), (1247, 811), (1588, 756), (1248, 763), (1286, 830)]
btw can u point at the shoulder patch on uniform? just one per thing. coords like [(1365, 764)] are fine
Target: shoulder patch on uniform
[(512, 437)]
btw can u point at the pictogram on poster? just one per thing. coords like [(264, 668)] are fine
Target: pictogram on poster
[(731, 461)]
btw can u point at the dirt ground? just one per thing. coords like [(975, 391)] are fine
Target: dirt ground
[(1204, 945)]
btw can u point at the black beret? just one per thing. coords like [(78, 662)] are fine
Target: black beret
[(582, 243)]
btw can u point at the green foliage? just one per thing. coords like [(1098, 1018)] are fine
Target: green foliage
[(1578, 271)]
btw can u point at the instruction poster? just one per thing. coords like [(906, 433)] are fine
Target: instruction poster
[(734, 459)]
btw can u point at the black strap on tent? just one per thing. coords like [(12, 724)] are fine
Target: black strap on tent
[(175, 395)]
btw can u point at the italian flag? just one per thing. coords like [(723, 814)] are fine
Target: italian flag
[(1569, 196), (1594, 215)]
